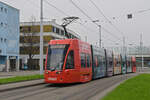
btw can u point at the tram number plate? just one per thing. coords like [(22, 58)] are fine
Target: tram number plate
[(52, 79)]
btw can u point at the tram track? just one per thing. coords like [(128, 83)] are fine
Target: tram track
[(92, 90), (83, 91)]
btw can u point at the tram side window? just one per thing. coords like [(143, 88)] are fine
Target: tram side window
[(115, 62), (123, 63), (95, 63), (82, 56), (99, 61), (128, 63), (70, 60), (118, 63), (104, 61), (133, 64), (88, 60), (110, 62)]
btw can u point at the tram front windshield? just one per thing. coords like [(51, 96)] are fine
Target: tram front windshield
[(56, 56)]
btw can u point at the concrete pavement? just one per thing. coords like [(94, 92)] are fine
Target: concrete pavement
[(18, 85)]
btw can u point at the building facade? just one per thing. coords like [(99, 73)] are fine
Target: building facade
[(9, 38), (30, 41)]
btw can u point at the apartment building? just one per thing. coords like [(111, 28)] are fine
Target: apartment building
[(9, 38)]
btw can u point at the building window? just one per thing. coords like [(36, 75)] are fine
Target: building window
[(67, 35), (62, 32), (5, 10), (1, 24), (75, 37), (1, 9), (29, 29), (71, 36), (53, 29), (57, 30), (1, 39), (5, 40)]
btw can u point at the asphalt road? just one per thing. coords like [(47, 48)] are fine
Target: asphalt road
[(64, 92)]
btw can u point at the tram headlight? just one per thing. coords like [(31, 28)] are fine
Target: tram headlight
[(46, 72), (57, 72)]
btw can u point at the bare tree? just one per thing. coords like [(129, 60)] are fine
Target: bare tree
[(30, 42)]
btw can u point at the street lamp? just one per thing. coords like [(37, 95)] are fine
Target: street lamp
[(100, 37), (41, 38)]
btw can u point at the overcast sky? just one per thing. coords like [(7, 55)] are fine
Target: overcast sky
[(115, 10)]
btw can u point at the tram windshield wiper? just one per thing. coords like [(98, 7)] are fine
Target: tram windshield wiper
[(53, 69)]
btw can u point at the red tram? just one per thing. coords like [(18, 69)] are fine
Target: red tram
[(68, 61), (133, 60), (73, 61)]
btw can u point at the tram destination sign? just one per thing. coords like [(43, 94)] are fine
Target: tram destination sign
[(57, 46)]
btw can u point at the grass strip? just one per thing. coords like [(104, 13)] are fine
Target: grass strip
[(136, 88), (20, 78)]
